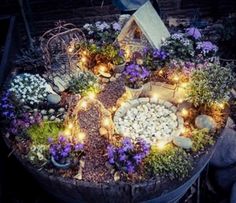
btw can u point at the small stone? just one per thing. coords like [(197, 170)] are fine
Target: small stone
[(112, 79), (43, 112), (45, 118), (57, 120), (117, 176), (26, 107), (61, 110), (51, 111), (52, 118), (103, 131), (183, 142), (205, 121), (35, 110), (53, 98)]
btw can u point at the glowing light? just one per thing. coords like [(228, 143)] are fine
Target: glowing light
[(180, 100), (84, 52), (83, 104), (102, 69), (221, 105), (92, 95), (81, 136), (161, 145), (70, 49), (161, 72), (184, 112), (83, 59), (176, 78), (113, 108), (67, 132), (70, 125), (184, 84), (154, 96), (106, 122)]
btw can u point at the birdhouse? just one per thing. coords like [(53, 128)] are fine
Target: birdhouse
[(144, 29)]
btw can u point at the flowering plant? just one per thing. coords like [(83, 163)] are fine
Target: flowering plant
[(179, 47), (194, 33), (129, 155), (102, 32), (64, 149), (30, 89), (155, 58), (211, 84), (135, 75), (7, 106), (206, 49)]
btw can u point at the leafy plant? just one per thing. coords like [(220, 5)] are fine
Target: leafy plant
[(31, 58), (172, 162), (129, 155), (211, 84), (201, 138), (83, 83), (38, 154), (40, 133), (178, 46)]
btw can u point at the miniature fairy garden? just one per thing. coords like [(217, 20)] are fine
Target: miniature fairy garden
[(99, 112)]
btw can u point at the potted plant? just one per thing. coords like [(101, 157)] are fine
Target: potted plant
[(65, 152), (135, 76)]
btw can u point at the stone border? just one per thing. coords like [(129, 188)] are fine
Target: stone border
[(133, 103)]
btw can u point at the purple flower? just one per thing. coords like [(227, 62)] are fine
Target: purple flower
[(159, 54), (116, 26), (206, 46), (193, 32), (129, 155), (79, 147)]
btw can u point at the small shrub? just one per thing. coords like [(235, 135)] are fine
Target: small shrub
[(84, 83), (40, 133), (201, 138), (172, 162), (210, 85)]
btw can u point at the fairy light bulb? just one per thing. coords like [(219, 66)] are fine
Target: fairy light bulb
[(92, 95), (70, 49), (81, 136), (106, 122), (70, 125), (161, 145), (67, 131), (161, 72), (176, 78), (184, 112), (83, 104), (83, 59)]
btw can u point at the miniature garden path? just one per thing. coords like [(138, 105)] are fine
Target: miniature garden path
[(112, 92), (95, 147)]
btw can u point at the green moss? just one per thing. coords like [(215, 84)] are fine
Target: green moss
[(201, 138), (39, 133), (172, 162)]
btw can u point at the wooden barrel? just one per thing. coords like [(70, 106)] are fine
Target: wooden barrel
[(75, 191)]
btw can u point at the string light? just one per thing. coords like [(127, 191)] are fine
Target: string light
[(155, 96), (161, 72), (176, 78), (70, 49), (67, 132), (221, 105), (70, 125), (161, 145), (92, 95), (184, 112), (83, 104), (106, 122), (81, 136), (83, 59), (184, 84)]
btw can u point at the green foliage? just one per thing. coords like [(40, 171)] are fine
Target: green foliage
[(112, 53), (172, 162), (39, 133), (201, 138), (83, 83), (211, 84)]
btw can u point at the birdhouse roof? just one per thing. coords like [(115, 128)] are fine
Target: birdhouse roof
[(149, 22)]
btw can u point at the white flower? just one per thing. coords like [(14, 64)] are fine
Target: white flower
[(116, 26)]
